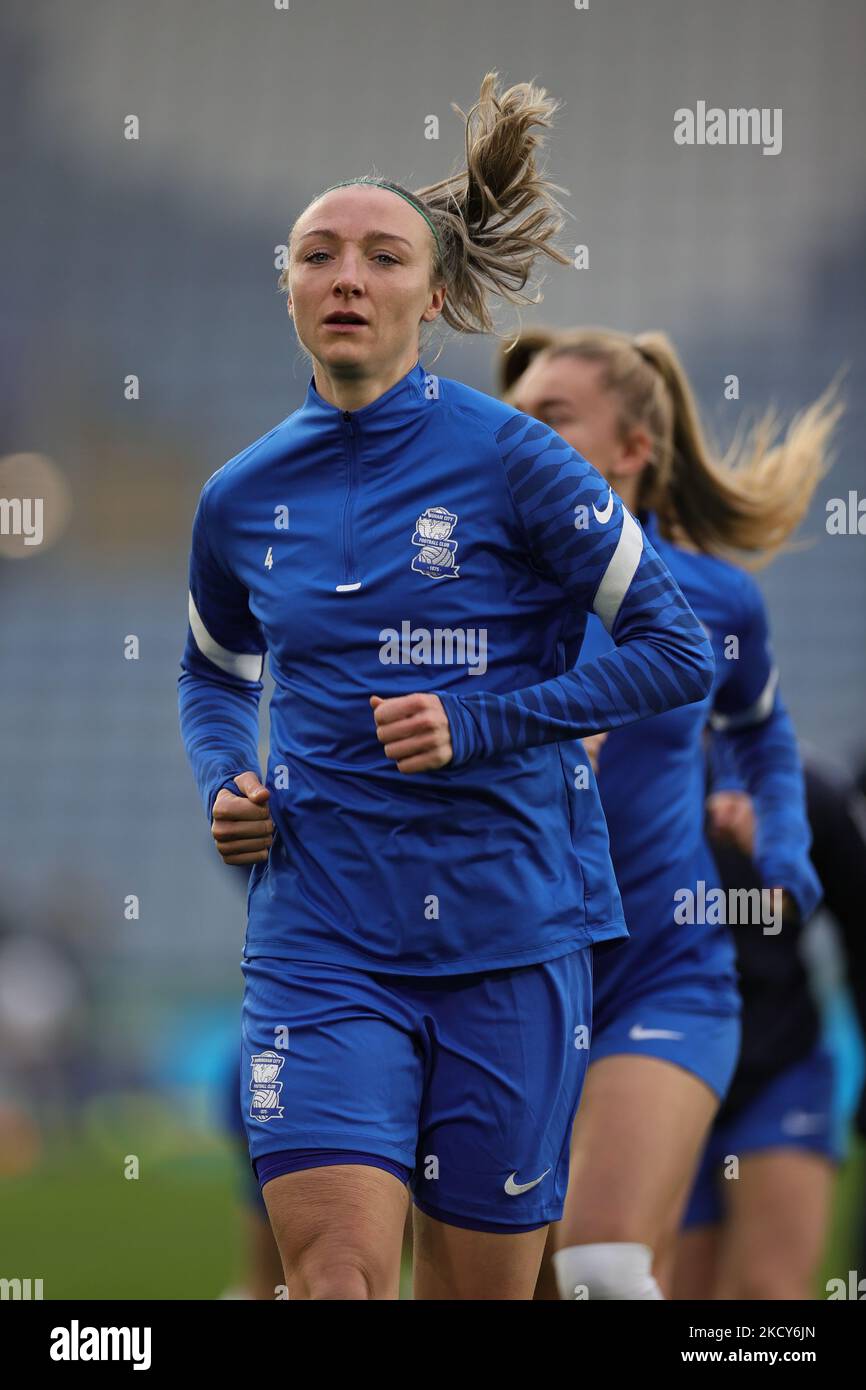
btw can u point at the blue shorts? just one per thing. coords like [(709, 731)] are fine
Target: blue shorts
[(465, 1086), (664, 1024), (797, 1110)]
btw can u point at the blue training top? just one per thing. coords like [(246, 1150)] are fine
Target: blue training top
[(436, 540), (652, 780)]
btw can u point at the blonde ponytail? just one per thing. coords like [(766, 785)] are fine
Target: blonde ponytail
[(743, 507), (750, 502), (498, 214)]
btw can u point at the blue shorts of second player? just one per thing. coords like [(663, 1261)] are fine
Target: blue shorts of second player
[(670, 1024), (463, 1086), (795, 1111)]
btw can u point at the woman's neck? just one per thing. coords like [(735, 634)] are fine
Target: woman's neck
[(629, 491), (349, 390)]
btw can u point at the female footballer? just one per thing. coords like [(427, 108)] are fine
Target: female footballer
[(430, 865), (666, 1027)]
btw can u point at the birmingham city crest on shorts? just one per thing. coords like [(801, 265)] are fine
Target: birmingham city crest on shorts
[(265, 1104), (433, 534)]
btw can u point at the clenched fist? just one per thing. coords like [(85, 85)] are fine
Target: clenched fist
[(414, 730), (242, 825)]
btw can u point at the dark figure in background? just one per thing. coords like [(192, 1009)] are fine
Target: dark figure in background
[(762, 1236)]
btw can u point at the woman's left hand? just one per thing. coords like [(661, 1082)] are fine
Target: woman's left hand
[(414, 730)]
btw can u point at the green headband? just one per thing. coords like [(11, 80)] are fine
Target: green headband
[(383, 183)]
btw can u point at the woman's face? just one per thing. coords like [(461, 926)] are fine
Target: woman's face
[(364, 250), (567, 394)]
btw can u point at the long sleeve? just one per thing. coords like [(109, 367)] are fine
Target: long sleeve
[(220, 684), (755, 741), (578, 534)]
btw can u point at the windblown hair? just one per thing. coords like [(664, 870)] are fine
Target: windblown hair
[(498, 214), (743, 506)]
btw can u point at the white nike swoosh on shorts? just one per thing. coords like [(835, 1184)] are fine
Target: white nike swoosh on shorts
[(514, 1189), (799, 1122)]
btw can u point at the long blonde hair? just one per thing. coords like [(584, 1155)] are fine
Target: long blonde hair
[(496, 215), (742, 506)]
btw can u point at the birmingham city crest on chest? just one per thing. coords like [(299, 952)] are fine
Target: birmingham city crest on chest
[(437, 554)]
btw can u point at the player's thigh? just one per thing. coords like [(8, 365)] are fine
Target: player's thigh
[(776, 1224), (335, 1219), (638, 1134), (452, 1263)]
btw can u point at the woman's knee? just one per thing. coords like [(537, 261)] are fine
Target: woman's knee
[(329, 1269)]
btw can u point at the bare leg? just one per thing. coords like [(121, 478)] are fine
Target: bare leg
[(546, 1290), (479, 1265), (638, 1135), (339, 1231), (696, 1264), (778, 1210)]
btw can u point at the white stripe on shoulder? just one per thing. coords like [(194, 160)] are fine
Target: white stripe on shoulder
[(620, 572), (755, 714), (247, 665)]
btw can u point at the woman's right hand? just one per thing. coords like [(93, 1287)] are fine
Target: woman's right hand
[(242, 827)]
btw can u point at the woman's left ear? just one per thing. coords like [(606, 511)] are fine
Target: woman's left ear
[(436, 307)]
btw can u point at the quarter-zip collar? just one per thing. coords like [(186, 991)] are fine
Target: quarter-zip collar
[(317, 411)]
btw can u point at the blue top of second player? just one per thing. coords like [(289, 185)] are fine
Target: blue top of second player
[(652, 782)]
